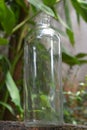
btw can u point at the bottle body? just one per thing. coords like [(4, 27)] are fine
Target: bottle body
[(42, 78)]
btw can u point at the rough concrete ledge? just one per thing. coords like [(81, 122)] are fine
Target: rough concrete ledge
[(10, 125)]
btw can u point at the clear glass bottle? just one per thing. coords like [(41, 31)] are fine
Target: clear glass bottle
[(42, 76)]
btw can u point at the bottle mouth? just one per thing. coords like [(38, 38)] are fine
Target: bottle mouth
[(43, 19)]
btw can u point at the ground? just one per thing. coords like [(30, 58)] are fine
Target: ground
[(8, 125)]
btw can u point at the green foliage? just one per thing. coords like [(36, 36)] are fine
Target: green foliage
[(70, 59), (11, 86), (81, 8), (13, 91), (8, 107), (49, 3), (3, 41), (5, 13), (73, 60), (75, 106), (41, 6), (69, 23)]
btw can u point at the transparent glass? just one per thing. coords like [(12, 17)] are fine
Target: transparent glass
[(42, 78)]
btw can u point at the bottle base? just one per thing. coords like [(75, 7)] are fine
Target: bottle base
[(36, 123)]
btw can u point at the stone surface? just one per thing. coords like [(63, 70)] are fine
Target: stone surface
[(8, 125)]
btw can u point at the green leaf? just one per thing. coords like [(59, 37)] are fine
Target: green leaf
[(67, 13), (73, 60), (59, 19), (68, 21), (68, 58), (79, 9), (11, 86), (78, 18), (49, 2), (68, 30), (81, 55), (7, 17), (8, 107), (83, 4), (13, 90), (67, 26), (3, 41), (62, 22), (71, 36), (44, 101), (83, 62), (41, 6)]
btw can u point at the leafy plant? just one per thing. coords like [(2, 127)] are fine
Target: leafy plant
[(75, 106)]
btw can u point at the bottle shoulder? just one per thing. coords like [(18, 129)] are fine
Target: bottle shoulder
[(41, 31)]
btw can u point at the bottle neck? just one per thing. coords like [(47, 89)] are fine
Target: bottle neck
[(43, 19)]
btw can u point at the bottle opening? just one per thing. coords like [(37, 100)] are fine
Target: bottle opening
[(43, 19)]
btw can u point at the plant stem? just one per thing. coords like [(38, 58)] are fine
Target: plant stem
[(17, 57), (24, 22)]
